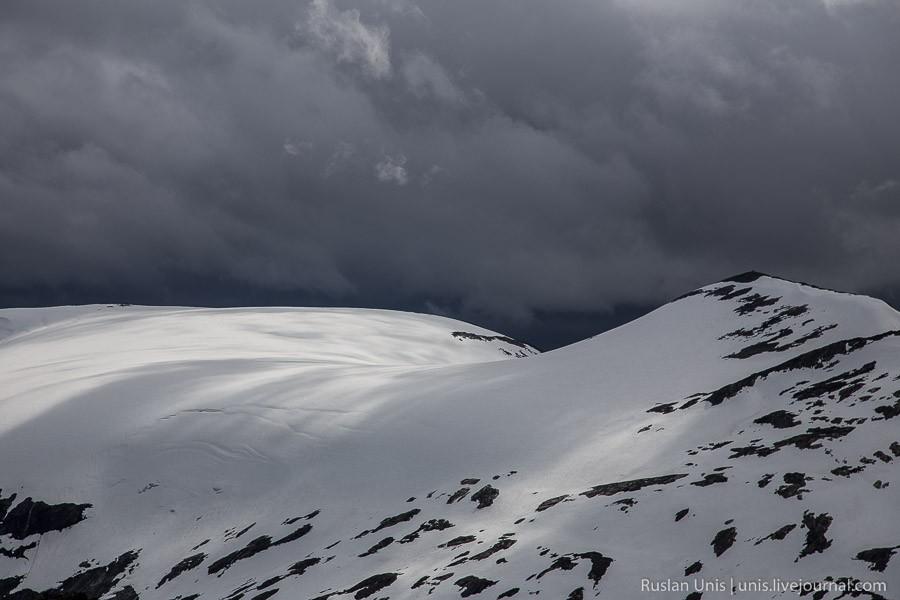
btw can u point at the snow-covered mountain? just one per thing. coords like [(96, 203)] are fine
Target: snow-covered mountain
[(747, 429)]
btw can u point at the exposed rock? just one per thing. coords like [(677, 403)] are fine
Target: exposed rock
[(500, 545), (846, 470), (710, 479), (87, 585), (624, 504), (814, 435), (753, 449), (599, 565), (297, 569), (367, 586), (431, 525), (391, 521), (769, 345), (256, 546), (300, 567), (185, 565), (126, 593), (296, 535), (464, 335), (231, 535), (8, 584), (779, 419), (786, 312), (793, 486), (458, 541), (882, 456), (816, 527), (472, 585), (778, 534), (754, 302), (19, 552), (550, 503), (382, 544), (808, 360), (485, 496), (838, 384), (33, 518), (878, 558), (563, 563), (723, 540), (608, 489), (5, 503), (458, 495), (200, 545), (889, 411)]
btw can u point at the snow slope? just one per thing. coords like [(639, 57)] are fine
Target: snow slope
[(748, 429)]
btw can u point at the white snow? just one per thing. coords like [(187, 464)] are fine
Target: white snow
[(178, 424)]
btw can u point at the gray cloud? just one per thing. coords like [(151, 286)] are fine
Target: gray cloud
[(495, 158), (349, 39)]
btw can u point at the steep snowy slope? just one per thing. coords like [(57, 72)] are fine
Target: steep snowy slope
[(748, 429)]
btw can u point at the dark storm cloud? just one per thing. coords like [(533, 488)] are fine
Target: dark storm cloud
[(468, 156)]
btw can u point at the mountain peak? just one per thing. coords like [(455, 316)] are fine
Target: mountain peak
[(748, 277), (315, 454)]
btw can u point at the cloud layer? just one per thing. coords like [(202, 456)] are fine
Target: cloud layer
[(474, 157)]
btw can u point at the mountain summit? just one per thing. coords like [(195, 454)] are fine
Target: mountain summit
[(747, 430)]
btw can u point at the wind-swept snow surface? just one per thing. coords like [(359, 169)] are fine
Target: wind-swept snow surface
[(748, 429)]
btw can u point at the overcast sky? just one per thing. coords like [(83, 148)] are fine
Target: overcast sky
[(511, 162)]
